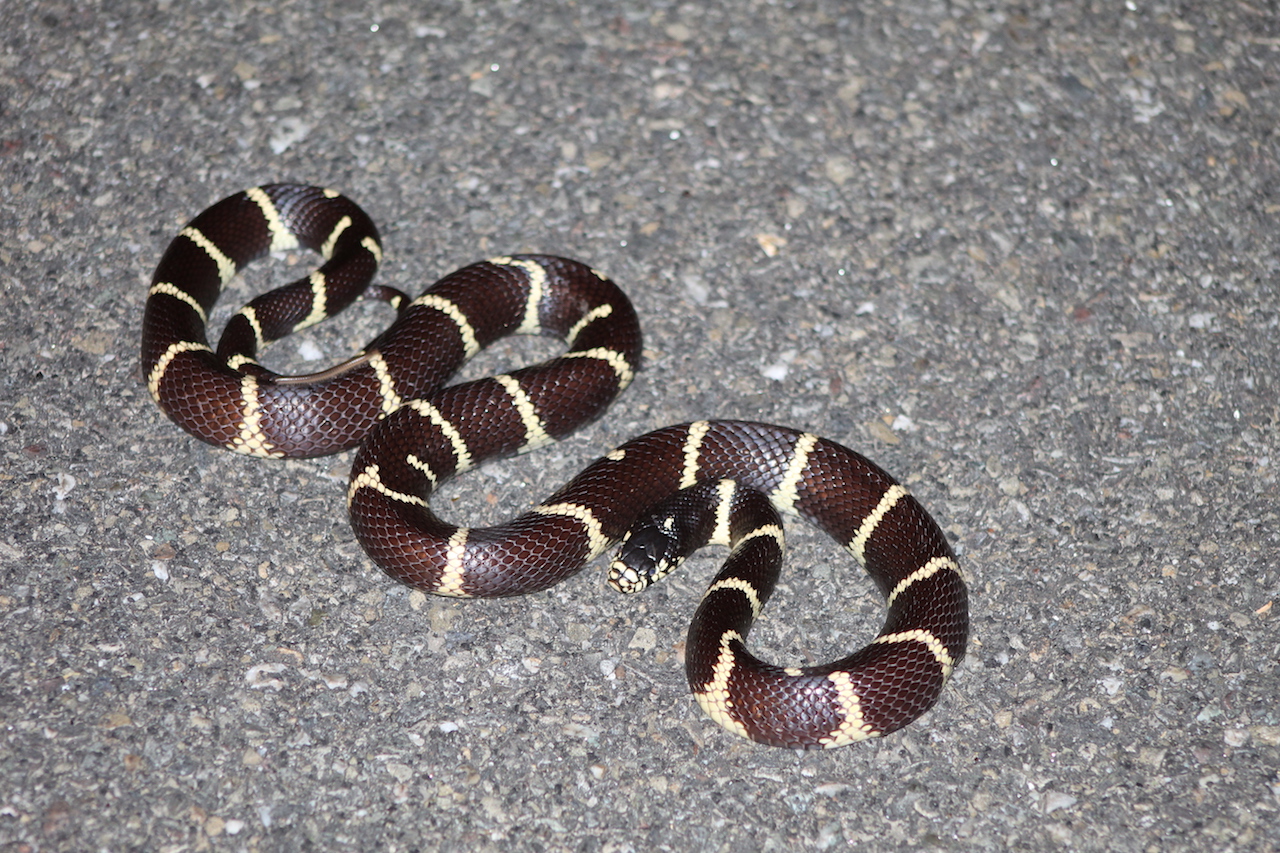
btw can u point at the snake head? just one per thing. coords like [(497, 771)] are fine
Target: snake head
[(649, 552)]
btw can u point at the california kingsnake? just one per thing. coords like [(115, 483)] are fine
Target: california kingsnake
[(676, 488)]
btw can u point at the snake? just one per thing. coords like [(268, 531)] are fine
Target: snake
[(658, 497)]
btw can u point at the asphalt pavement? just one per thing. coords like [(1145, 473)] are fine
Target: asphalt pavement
[(1024, 256)]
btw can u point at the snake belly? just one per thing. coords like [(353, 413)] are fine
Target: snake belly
[(412, 434)]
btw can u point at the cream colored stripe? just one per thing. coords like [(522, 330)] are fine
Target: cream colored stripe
[(369, 479), (469, 345), (692, 447), (597, 313), (371, 245), (251, 441), (786, 494), (162, 363), (537, 286), (714, 696), (753, 596), (453, 575), (598, 543), (724, 496), (854, 727), (178, 293), (226, 266), (281, 237), (615, 359), (326, 248), (386, 383), (919, 635), (535, 432), (928, 570), (858, 544), (319, 302), (252, 317), (415, 462), (239, 360), (460, 450), (771, 530)]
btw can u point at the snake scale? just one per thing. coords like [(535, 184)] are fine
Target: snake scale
[(662, 495)]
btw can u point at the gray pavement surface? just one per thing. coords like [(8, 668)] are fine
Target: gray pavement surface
[(1025, 256)]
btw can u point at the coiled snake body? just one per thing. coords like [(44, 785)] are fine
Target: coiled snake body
[(662, 494)]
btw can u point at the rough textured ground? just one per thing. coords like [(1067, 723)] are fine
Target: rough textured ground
[(1025, 257)]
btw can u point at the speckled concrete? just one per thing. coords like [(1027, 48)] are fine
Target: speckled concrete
[(1027, 260)]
